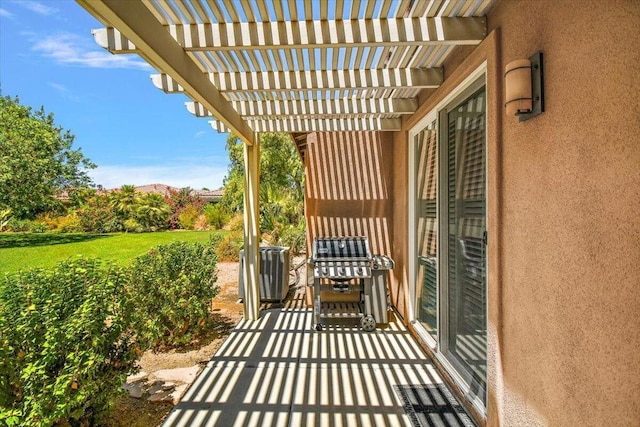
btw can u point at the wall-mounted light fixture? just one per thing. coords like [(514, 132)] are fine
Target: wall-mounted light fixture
[(524, 87)]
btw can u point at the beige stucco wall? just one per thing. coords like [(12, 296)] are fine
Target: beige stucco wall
[(348, 189), (571, 225), (564, 222)]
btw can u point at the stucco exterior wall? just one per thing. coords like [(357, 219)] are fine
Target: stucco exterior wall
[(563, 203), (349, 187), (571, 227)]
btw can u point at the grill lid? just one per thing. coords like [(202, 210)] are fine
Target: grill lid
[(341, 249)]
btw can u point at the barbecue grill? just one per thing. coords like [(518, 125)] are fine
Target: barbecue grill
[(345, 265)]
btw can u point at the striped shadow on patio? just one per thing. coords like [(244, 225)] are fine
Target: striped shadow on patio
[(278, 371)]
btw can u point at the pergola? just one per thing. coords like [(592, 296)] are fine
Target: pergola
[(294, 66)]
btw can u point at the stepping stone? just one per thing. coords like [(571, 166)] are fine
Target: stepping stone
[(137, 377), (178, 392), (178, 375)]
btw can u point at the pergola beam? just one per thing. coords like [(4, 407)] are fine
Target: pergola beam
[(293, 125), (345, 106), (138, 25), (316, 80), (414, 31)]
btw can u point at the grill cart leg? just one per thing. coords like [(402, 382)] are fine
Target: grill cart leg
[(317, 303)]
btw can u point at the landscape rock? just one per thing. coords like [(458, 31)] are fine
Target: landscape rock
[(178, 375), (137, 377), (134, 389), (178, 392), (168, 386), (155, 387), (161, 397)]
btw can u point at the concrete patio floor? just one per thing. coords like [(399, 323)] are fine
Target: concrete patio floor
[(278, 371)]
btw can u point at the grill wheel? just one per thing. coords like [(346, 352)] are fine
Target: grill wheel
[(368, 323)]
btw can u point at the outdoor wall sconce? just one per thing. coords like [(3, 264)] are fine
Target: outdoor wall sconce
[(524, 87)]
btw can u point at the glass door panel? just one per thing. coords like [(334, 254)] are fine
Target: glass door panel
[(426, 156), (466, 329)]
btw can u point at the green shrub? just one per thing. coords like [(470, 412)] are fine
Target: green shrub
[(49, 219), (188, 216), (97, 216), (65, 343), (69, 224), (25, 226), (228, 248), (153, 212), (171, 287), (216, 216), (201, 223), (294, 237), (133, 226), (5, 217), (236, 223)]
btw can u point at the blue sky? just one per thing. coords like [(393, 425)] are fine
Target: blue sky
[(135, 133)]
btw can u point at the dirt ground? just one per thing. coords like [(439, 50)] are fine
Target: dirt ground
[(227, 312)]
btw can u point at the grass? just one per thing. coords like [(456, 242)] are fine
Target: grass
[(21, 251)]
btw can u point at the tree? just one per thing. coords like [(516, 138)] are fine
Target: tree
[(37, 160), (153, 212), (280, 169), (124, 201), (281, 188)]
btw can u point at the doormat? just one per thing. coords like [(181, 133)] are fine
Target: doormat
[(432, 405)]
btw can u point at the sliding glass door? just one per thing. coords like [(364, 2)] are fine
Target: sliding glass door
[(463, 237), (449, 219), (426, 153)]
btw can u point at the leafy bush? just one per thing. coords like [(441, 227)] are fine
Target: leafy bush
[(171, 287), (215, 215), (65, 343), (294, 237), (201, 223), (236, 223), (153, 212), (133, 226), (97, 216), (25, 225), (188, 217), (178, 200), (50, 219), (228, 248), (5, 217), (69, 224)]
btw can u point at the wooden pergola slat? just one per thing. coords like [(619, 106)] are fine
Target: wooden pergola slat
[(414, 31), (138, 24), (315, 80), (292, 124), (345, 106)]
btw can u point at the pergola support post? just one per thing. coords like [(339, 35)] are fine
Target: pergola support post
[(251, 230)]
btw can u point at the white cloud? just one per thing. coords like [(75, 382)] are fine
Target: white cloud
[(39, 8), (63, 91), (194, 176), (60, 88), (70, 49), (5, 13), (199, 134)]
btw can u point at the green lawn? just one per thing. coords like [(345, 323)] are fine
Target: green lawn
[(19, 251)]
